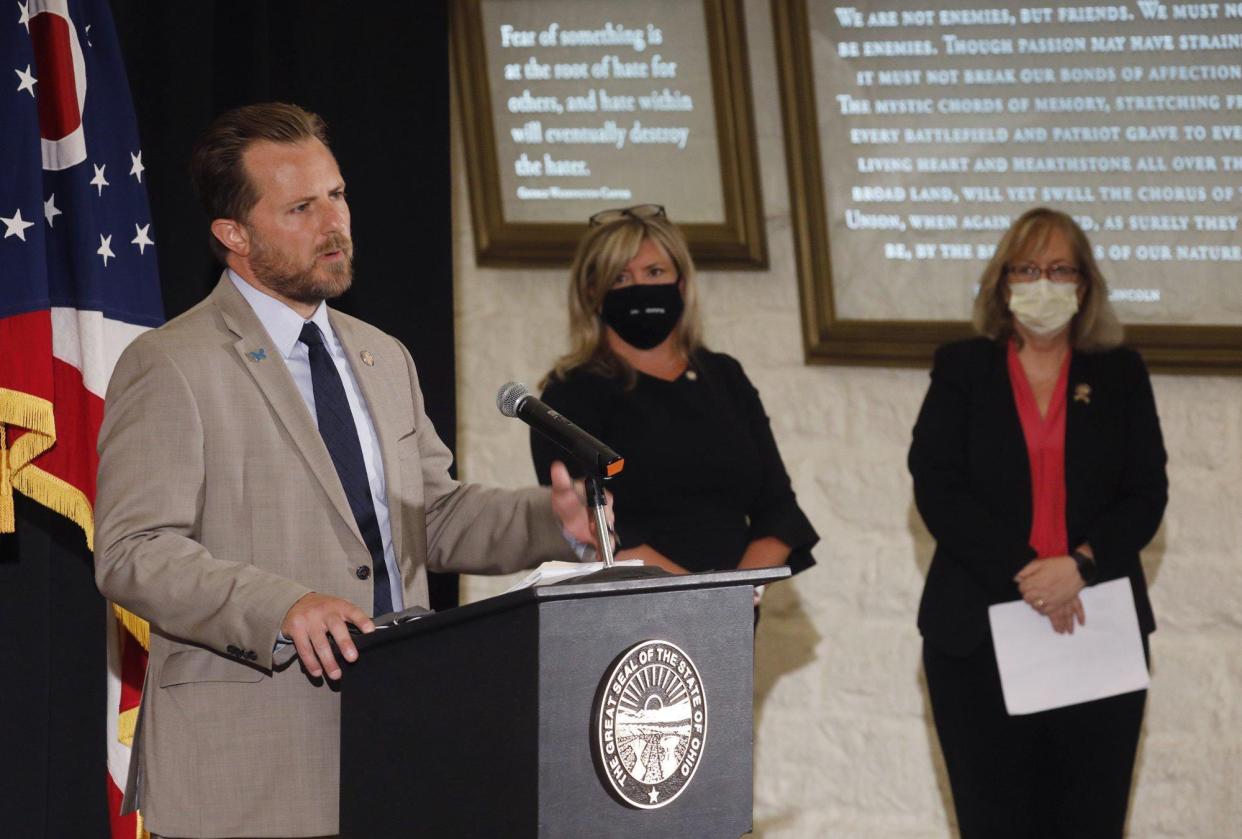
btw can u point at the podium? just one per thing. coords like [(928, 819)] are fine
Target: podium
[(583, 709)]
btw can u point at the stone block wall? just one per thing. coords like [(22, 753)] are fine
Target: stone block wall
[(844, 742)]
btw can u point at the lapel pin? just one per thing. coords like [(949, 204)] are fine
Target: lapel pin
[(367, 358), (258, 355), (1082, 393)]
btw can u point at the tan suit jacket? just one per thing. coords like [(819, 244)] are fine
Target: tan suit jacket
[(218, 507)]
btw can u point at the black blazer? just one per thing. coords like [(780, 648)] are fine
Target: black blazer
[(972, 481)]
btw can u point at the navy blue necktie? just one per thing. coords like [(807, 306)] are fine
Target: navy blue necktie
[(340, 435)]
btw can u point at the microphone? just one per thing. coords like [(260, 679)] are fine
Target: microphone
[(514, 400)]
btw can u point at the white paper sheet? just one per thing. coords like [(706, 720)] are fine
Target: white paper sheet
[(1040, 669), (555, 572)]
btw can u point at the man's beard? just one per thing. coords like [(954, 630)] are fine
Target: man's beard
[(309, 284)]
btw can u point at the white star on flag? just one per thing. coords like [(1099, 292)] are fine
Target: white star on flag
[(16, 226), (142, 239), (49, 209), (24, 20), (98, 180), (28, 81), (105, 248), (89, 43), (137, 168)]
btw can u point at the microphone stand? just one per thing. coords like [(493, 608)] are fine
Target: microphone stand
[(598, 503), (611, 572)]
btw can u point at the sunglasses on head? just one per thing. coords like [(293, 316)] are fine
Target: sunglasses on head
[(638, 211)]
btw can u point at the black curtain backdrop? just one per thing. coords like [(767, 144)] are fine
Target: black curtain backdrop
[(378, 74), (53, 669)]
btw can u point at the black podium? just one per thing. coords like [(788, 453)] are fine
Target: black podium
[(584, 709)]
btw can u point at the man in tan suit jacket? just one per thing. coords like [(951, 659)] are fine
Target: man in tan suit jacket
[(222, 520)]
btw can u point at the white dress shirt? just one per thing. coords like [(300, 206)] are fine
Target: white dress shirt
[(284, 326)]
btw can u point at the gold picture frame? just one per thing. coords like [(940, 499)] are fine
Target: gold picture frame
[(828, 339), (738, 241)]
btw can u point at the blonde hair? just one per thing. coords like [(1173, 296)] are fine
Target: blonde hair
[(601, 257), (1095, 326)]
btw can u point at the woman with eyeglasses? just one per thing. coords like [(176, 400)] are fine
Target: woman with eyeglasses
[(704, 487), (1039, 468)]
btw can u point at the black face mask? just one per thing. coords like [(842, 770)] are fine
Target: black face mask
[(643, 315)]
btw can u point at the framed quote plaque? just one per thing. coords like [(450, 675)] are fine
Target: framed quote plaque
[(569, 107), (914, 137)]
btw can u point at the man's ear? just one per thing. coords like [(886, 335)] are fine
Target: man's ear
[(233, 235)]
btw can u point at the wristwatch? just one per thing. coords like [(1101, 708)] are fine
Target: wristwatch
[(1086, 566)]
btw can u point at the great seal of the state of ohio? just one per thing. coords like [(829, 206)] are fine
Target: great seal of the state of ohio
[(650, 724)]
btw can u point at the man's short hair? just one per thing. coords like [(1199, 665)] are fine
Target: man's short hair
[(216, 166)]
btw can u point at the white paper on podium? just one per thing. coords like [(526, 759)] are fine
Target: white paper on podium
[(1040, 669), (556, 571)]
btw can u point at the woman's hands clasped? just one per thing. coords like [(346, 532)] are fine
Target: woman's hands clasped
[(1051, 587)]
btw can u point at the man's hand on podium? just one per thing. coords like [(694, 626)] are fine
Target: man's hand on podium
[(569, 504), (311, 620)]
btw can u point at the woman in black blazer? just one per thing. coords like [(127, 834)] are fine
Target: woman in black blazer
[(1051, 342)]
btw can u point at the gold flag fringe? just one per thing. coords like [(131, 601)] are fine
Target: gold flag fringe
[(135, 626), (17, 469), (28, 411), (8, 518), (35, 415), (57, 494), (126, 725)]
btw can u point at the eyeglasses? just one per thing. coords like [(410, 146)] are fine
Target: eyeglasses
[(638, 211), (1029, 272)]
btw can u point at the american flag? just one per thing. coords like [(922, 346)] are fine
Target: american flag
[(78, 281)]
